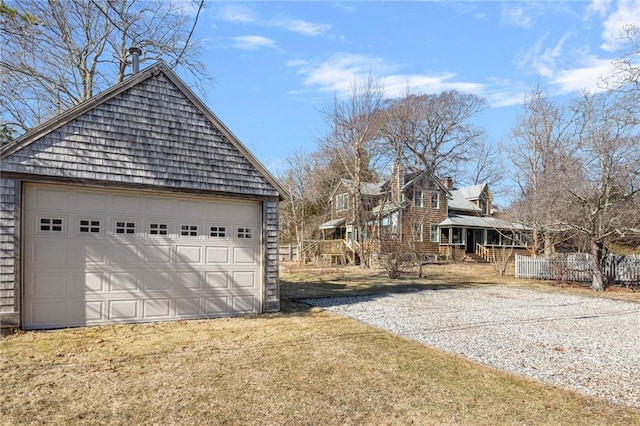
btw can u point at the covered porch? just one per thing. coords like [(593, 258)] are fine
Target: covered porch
[(473, 235)]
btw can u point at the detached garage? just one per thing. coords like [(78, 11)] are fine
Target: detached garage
[(138, 205)]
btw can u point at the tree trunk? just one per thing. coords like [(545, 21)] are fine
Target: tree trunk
[(597, 283)]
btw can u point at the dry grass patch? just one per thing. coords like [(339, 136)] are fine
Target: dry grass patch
[(301, 282), (301, 366)]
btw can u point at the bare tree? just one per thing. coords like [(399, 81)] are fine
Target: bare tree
[(537, 137), (600, 169), (433, 132), (353, 137), (297, 183), (79, 47)]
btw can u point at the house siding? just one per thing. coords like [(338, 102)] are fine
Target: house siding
[(272, 281), (9, 253)]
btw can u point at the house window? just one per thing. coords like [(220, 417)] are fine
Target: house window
[(342, 202), (435, 199), (456, 235), (433, 233), (50, 224), (417, 231), (417, 199), (88, 226), (218, 232), (188, 230), (389, 225), (158, 229), (244, 233), (493, 237), (483, 206), (125, 228)]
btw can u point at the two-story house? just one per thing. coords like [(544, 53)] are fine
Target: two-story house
[(428, 215)]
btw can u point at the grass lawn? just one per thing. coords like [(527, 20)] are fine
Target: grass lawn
[(299, 366)]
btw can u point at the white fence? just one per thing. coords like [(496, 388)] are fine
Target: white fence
[(623, 270), (288, 252)]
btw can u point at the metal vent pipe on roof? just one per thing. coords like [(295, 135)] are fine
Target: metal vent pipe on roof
[(135, 58)]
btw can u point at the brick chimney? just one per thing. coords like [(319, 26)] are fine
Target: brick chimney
[(397, 182), (448, 182)]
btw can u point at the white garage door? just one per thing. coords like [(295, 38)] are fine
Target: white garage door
[(96, 256)]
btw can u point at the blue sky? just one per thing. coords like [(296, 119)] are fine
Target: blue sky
[(275, 64)]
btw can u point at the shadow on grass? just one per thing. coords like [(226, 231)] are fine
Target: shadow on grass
[(295, 288)]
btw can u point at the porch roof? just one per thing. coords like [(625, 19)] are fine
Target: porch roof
[(332, 224), (481, 222)]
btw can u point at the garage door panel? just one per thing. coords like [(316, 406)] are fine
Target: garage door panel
[(125, 256), (86, 253), (123, 282), (217, 279), (47, 253), (119, 254), (129, 204), (49, 313), (246, 279), (188, 254), (217, 254), (87, 201), (158, 206), (48, 199), (47, 283), (245, 255), (188, 307), (87, 282), (243, 304), (156, 309), (158, 253), (123, 310), (216, 306), (85, 311), (188, 280), (154, 281), (189, 209)]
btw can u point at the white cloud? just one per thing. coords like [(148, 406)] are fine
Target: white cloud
[(541, 60), (236, 13), (300, 27), (516, 16), (626, 12), (341, 71), (241, 14), (250, 42), (586, 77)]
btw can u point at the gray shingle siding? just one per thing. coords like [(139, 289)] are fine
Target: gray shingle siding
[(7, 245), (151, 135), (272, 282)]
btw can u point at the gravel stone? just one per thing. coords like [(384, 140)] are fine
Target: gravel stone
[(587, 344)]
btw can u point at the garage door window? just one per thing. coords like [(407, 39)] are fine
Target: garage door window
[(51, 224), (89, 226), (218, 232), (125, 228), (244, 233), (189, 230), (158, 229)]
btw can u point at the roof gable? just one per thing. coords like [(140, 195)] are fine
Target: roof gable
[(151, 129), (473, 192)]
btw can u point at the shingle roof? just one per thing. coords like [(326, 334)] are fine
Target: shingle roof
[(149, 130), (366, 188), (459, 202), (472, 192), (481, 222)]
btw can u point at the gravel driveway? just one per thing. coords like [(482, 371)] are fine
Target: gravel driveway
[(587, 344)]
